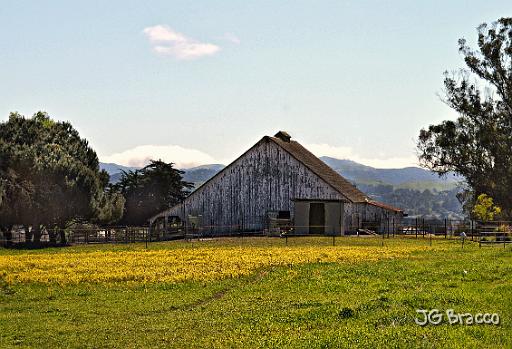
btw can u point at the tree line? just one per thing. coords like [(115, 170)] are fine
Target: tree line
[(50, 180)]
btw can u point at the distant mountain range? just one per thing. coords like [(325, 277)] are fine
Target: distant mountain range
[(418, 191), (408, 177), (200, 174), (197, 175), (112, 168), (115, 170)]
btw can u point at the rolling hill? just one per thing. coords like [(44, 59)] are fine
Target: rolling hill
[(112, 168), (416, 190), (408, 177)]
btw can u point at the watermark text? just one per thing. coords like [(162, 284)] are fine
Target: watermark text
[(437, 317)]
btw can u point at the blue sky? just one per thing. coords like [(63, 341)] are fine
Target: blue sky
[(201, 81)]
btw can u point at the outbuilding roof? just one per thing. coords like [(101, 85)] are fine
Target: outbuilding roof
[(384, 206)]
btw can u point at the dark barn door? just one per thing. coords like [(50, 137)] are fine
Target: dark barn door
[(316, 218)]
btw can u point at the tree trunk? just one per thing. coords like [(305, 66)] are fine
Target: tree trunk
[(36, 229), (28, 233), (7, 233), (52, 236), (62, 234)]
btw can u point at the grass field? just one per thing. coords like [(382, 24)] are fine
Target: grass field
[(254, 293)]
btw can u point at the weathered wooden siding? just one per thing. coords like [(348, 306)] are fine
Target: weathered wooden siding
[(357, 213), (266, 178)]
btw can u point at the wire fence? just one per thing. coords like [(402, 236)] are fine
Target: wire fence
[(486, 234), (20, 235)]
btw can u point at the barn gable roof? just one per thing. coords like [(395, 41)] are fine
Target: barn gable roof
[(321, 169)]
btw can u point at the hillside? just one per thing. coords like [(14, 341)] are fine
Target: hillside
[(196, 175), (113, 169), (408, 177), (416, 190), (403, 178)]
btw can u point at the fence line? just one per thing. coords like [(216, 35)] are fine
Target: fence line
[(483, 233), (82, 236)]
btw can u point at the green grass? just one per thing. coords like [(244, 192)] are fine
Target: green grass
[(321, 305)]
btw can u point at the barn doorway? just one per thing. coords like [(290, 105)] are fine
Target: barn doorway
[(316, 218)]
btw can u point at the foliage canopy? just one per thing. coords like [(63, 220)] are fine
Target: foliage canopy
[(50, 176), (148, 191), (478, 144), (484, 208)]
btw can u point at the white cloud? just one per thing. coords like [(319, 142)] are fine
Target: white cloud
[(140, 156), (232, 38), (187, 157), (168, 42), (348, 153)]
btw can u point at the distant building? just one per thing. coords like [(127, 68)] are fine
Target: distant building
[(278, 180)]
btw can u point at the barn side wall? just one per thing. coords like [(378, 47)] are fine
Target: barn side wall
[(266, 178), (364, 215)]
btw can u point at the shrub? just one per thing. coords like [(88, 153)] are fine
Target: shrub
[(346, 313)]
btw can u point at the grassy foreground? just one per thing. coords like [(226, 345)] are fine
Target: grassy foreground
[(254, 293)]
